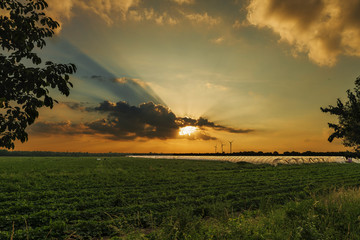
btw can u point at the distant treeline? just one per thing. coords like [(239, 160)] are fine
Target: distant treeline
[(62, 154), (111, 154)]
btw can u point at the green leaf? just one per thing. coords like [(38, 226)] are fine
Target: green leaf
[(23, 87)]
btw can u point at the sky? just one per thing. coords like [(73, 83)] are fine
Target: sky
[(254, 72)]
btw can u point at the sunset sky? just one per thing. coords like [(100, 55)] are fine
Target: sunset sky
[(254, 72)]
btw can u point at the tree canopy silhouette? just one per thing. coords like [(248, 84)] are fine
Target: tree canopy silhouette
[(24, 80), (348, 113)]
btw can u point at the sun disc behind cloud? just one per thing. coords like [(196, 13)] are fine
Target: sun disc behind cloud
[(188, 130)]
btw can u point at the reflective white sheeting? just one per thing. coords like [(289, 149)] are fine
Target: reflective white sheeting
[(274, 160)]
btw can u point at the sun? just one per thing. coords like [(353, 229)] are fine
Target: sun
[(188, 130)]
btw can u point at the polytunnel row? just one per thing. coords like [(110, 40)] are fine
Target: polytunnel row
[(273, 160)]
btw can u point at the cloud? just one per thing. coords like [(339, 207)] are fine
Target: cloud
[(61, 10), (107, 9), (205, 123), (237, 24), (128, 89), (204, 18), (184, 1), (77, 106), (216, 86), (98, 77), (112, 11), (132, 81), (66, 128), (126, 122), (146, 121), (322, 29), (150, 15), (149, 121), (218, 40)]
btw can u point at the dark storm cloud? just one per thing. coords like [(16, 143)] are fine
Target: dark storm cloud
[(150, 120), (126, 122)]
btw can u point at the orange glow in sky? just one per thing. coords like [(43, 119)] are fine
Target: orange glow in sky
[(188, 75)]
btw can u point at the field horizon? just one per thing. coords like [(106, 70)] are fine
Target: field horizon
[(5, 152)]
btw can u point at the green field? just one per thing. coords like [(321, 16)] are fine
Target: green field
[(82, 198)]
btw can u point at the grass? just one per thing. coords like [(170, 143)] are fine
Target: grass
[(123, 198), (332, 216)]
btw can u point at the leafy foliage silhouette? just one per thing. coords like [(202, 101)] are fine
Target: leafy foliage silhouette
[(24, 80), (348, 113)]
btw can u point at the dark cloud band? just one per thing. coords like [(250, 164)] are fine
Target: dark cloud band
[(126, 122)]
